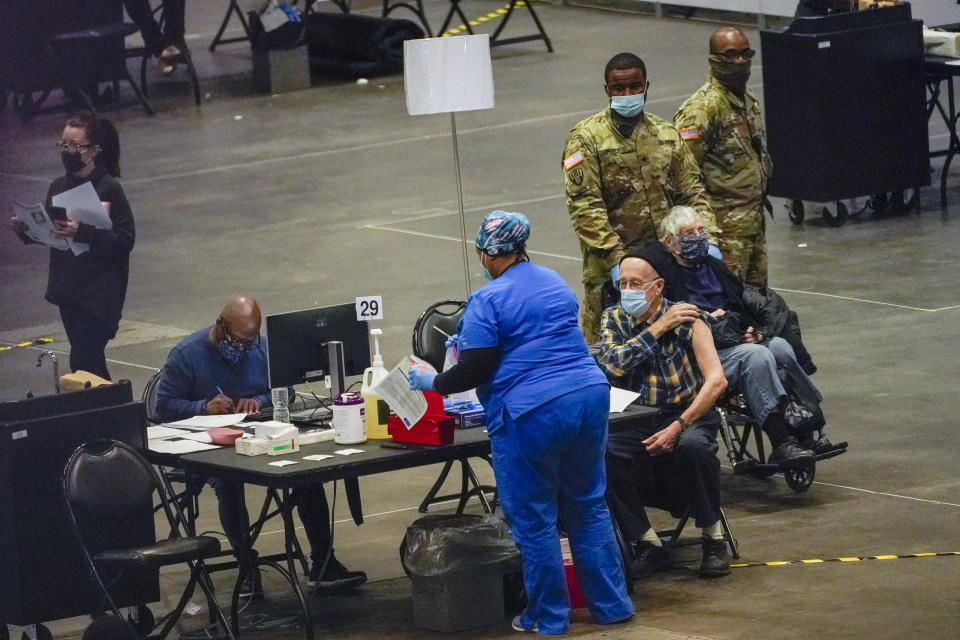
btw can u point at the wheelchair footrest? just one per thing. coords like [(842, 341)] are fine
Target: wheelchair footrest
[(837, 449), (744, 466)]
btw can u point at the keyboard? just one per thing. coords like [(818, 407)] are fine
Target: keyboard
[(314, 414)]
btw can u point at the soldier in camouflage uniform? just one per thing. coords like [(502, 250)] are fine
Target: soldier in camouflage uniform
[(624, 170), (723, 127)]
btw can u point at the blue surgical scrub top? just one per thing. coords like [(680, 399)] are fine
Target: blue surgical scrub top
[(530, 313)]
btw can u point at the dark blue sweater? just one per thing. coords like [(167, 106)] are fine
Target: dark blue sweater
[(195, 369)]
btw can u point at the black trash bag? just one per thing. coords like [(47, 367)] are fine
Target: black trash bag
[(287, 36), (803, 419), (350, 46), (437, 545)]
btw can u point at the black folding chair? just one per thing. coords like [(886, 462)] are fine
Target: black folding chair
[(108, 489), (429, 334)]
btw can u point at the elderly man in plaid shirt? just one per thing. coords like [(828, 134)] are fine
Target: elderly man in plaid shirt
[(664, 352)]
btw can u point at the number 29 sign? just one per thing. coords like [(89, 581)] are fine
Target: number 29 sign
[(369, 308)]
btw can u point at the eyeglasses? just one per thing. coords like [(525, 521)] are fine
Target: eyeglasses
[(71, 147), (238, 343), (733, 56), (635, 284)]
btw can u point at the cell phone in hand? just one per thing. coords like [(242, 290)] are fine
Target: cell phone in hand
[(57, 213)]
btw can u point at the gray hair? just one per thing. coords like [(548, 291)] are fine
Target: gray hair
[(678, 218)]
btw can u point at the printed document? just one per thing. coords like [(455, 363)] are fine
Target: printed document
[(395, 390), (209, 422), (179, 446), (83, 204), (39, 225)]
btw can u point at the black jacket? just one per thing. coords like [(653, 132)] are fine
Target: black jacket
[(95, 280), (745, 306)]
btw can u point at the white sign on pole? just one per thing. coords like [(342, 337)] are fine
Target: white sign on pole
[(369, 308), (442, 75)]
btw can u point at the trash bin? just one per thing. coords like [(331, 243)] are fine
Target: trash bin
[(457, 566)]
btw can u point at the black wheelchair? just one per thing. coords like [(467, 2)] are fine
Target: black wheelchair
[(738, 428)]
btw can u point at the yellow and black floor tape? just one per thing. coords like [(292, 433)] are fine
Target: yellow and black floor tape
[(28, 343), (493, 15), (782, 563)]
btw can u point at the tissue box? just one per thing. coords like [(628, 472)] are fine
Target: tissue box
[(287, 441), (270, 428), (435, 427), (251, 446)]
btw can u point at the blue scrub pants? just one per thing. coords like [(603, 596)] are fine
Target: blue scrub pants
[(548, 463)]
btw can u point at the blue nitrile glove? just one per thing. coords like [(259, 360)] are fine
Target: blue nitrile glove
[(714, 252), (615, 274), (421, 379), (451, 341)]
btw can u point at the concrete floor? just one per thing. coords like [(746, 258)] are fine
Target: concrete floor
[(316, 197)]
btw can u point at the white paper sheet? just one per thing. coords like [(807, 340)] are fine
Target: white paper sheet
[(39, 225), (620, 399), (281, 463), (179, 446), (162, 432), (83, 204), (317, 456), (199, 436), (209, 422), (395, 390), (347, 452)]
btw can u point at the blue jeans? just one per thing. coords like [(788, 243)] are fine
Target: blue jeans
[(549, 465), (753, 370)]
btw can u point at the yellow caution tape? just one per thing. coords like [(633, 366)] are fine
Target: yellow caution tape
[(476, 22), (782, 563), (27, 343)]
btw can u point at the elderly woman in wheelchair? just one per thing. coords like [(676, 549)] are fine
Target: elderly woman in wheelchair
[(758, 341)]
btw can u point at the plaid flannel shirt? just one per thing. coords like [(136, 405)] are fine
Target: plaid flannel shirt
[(663, 371)]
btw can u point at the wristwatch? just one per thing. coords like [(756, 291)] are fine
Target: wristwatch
[(686, 424)]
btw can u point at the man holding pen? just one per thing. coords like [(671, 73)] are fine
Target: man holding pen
[(223, 369)]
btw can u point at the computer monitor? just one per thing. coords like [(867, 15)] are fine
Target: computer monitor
[(297, 348)]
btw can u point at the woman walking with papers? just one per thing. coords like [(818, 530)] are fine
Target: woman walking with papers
[(88, 279), (547, 404)]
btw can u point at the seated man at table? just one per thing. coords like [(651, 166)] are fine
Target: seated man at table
[(664, 352), (223, 369), (744, 321)]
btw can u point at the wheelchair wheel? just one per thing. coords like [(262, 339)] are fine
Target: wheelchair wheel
[(800, 479), (835, 220), (795, 211), (879, 202), (142, 619)]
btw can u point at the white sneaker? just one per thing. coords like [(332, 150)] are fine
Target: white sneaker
[(518, 626)]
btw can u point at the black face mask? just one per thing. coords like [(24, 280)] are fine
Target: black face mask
[(732, 75), (71, 162)]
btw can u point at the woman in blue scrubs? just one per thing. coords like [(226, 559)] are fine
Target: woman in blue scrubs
[(546, 405)]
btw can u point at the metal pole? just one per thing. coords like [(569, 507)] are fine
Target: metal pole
[(463, 221)]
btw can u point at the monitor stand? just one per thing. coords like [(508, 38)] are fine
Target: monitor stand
[(335, 364)]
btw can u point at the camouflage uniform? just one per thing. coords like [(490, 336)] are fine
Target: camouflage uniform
[(727, 138), (618, 189)]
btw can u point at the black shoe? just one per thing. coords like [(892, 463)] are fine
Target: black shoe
[(790, 455), (335, 577), (650, 559), (821, 445), (714, 562), (251, 587)]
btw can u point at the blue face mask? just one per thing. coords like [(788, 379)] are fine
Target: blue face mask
[(228, 353), (694, 249), (486, 274), (628, 106), (634, 301)]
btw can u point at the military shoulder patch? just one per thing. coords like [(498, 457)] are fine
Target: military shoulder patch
[(573, 160), (689, 133)]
